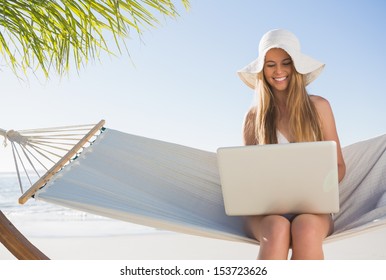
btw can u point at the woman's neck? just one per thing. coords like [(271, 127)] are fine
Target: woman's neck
[(281, 101), (282, 113), (280, 96)]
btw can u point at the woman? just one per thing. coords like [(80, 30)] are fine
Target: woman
[(287, 113)]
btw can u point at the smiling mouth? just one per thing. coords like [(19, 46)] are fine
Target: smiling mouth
[(280, 79)]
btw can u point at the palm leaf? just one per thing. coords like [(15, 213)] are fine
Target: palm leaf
[(56, 34)]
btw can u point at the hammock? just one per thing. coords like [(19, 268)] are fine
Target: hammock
[(176, 188)]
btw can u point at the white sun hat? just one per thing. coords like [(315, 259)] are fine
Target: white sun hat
[(283, 39)]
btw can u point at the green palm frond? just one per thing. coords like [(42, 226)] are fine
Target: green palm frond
[(51, 34)]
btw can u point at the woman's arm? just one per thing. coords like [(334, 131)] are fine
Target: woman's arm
[(329, 129)]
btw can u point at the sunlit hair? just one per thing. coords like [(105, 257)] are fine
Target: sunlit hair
[(304, 122)]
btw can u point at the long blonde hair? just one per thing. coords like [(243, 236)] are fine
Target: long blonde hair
[(304, 122)]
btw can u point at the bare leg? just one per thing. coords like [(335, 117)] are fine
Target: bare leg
[(308, 232), (273, 233)]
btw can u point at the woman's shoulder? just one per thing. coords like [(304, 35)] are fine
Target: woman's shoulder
[(251, 113), (250, 118), (320, 103), (249, 126), (324, 110), (316, 99)]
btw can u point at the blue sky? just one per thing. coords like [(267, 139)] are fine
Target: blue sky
[(180, 84)]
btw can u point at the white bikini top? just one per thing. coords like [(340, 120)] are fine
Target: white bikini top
[(281, 138)]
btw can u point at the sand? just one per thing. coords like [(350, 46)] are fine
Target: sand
[(174, 246)]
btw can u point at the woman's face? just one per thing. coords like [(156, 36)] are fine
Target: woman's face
[(278, 69)]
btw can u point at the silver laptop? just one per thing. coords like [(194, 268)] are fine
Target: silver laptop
[(279, 178)]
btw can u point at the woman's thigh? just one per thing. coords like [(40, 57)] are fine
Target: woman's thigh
[(320, 225)]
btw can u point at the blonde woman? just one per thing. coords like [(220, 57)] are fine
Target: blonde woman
[(284, 113)]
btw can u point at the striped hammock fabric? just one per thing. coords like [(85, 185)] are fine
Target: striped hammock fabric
[(177, 188)]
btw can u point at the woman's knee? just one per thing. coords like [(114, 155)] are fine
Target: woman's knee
[(270, 226), (310, 227), (275, 227)]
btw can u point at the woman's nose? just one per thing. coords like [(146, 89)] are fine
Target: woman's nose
[(279, 69)]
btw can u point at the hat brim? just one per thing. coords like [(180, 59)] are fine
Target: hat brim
[(304, 64)]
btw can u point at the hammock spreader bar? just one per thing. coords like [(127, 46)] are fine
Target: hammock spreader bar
[(59, 165)]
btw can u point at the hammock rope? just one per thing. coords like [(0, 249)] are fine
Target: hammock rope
[(35, 151)]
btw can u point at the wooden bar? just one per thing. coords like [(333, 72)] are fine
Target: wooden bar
[(16, 243), (46, 177)]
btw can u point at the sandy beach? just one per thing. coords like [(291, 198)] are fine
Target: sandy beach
[(165, 245)]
